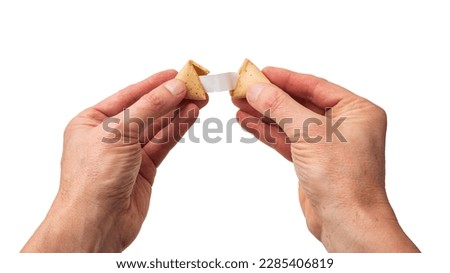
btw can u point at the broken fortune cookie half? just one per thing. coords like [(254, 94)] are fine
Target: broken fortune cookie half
[(248, 75), (190, 74)]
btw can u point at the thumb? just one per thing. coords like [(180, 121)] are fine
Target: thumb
[(133, 121), (276, 104)]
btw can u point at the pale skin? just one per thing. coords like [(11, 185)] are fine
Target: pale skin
[(105, 188), (341, 184)]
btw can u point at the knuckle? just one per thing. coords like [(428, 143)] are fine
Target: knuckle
[(381, 113), (68, 131), (154, 99), (275, 101), (377, 113), (130, 86), (320, 83), (381, 116)]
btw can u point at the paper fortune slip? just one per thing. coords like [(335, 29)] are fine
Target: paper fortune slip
[(198, 82), (219, 82)]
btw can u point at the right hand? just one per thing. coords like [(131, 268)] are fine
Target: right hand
[(340, 171)]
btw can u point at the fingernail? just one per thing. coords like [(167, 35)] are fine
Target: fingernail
[(253, 92), (175, 86)]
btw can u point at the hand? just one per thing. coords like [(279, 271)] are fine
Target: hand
[(336, 141), (109, 164)]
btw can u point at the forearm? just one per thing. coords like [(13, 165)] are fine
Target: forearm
[(366, 230)]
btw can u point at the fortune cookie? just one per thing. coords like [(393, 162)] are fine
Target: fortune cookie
[(190, 74), (248, 75)]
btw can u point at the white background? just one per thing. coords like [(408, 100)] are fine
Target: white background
[(226, 200)]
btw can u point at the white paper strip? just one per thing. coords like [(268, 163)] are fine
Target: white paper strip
[(219, 82)]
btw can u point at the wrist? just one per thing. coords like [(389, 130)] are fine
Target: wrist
[(73, 226), (365, 229)]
